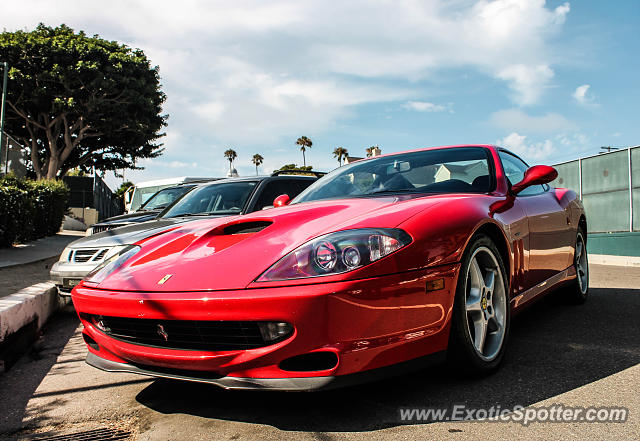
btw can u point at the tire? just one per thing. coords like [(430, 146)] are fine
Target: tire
[(481, 312), (577, 291)]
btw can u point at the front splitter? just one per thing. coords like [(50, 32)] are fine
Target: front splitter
[(299, 384)]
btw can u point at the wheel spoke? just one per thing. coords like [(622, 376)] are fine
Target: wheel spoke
[(477, 281), (474, 304), (489, 283), (480, 333), (578, 251)]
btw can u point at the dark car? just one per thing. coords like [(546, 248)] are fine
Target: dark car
[(147, 211), (226, 197)]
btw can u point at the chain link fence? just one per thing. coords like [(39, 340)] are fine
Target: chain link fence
[(609, 186)]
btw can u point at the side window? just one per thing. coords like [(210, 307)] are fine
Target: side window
[(514, 169), (273, 189)]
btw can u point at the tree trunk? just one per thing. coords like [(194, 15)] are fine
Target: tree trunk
[(52, 169), (304, 160)]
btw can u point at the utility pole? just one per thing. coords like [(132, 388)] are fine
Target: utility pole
[(608, 148), (5, 66)]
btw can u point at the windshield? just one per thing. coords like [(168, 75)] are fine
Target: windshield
[(221, 199), (164, 198), (450, 170)]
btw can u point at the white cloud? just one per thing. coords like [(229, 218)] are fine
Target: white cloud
[(528, 82), (519, 121), (425, 106), (528, 150), (253, 73), (574, 140), (582, 95), (180, 164)]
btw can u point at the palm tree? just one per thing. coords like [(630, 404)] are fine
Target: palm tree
[(304, 144), (257, 161), (231, 155), (370, 150), (340, 152)]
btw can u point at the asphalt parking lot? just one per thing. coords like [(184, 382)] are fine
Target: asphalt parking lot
[(584, 355)]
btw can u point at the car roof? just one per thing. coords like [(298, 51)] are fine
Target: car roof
[(259, 178)]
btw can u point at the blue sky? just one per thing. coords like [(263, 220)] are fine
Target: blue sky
[(551, 80)]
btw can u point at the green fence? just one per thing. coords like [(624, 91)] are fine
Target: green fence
[(609, 186)]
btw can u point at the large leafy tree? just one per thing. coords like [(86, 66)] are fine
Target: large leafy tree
[(304, 143), (81, 102)]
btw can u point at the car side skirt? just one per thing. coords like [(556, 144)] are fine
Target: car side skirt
[(525, 298)]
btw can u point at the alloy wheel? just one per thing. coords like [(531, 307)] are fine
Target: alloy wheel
[(486, 303), (582, 265)]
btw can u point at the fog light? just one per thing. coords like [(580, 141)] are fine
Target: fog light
[(274, 331)]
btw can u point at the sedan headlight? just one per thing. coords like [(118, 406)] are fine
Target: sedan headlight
[(65, 255), (111, 263), (337, 253)]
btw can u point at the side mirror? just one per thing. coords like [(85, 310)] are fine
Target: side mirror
[(536, 175), (281, 200)]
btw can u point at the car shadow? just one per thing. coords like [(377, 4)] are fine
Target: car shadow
[(553, 348)]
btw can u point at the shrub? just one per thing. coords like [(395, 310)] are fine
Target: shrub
[(30, 209)]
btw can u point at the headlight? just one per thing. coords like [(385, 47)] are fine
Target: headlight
[(64, 257), (89, 231), (337, 253), (112, 263)]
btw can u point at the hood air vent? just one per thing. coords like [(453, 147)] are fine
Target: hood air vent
[(247, 227)]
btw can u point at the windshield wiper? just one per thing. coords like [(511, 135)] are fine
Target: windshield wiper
[(189, 214)]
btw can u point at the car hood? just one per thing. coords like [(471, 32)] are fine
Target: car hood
[(138, 216), (128, 234), (217, 255)]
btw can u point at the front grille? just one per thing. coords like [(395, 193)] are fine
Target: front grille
[(100, 254), (184, 334), (101, 228), (88, 254)]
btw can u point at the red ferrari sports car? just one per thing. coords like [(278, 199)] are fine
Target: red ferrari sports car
[(383, 265)]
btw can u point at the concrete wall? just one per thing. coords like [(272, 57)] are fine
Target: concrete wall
[(614, 244), (88, 215)]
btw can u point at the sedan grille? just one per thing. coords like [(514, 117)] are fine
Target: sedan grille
[(84, 255), (100, 228), (183, 334)]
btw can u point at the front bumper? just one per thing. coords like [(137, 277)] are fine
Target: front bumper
[(62, 273), (369, 324)]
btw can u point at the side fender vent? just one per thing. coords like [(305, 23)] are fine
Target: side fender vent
[(246, 227)]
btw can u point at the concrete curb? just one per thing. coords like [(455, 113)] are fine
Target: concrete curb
[(605, 259), (22, 315)]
